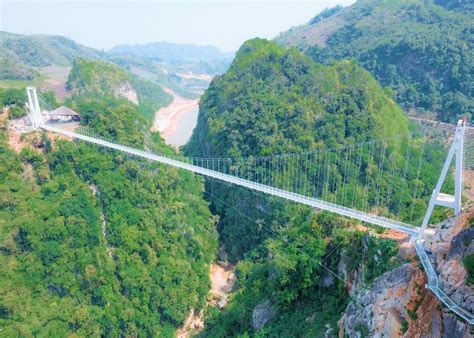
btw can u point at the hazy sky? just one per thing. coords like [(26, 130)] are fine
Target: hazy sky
[(104, 24)]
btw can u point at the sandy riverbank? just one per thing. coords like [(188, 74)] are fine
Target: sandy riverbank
[(190, 76), (168, 119)]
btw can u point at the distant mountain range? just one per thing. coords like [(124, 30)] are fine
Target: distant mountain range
[(45, 57), (422, 50), (20, 55), (173, 52)]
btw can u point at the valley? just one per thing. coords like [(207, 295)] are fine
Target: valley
[(318, 151), (176, 121)]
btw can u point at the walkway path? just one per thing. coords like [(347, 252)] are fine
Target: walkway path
[(433, 279)]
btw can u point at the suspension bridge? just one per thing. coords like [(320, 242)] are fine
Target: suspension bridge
[(366, 182)]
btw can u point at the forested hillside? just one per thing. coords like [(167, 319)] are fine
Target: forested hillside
[(95, 243), (422, 50), (20, 53), (92, 78), (45, 61), (278, 101)]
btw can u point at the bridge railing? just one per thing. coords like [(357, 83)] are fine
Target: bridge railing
[(433, 280), (296, 197)]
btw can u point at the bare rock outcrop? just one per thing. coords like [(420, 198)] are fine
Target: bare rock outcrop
[(380, 310), (453, 274), (398, 304), (128, 92), (448, 256), (261, 314)]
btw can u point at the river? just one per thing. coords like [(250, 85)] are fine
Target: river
[(184, 129), (176, 121)]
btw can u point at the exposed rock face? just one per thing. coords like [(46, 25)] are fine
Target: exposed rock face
[(222, 282), (398, 305), (448, 261), (261, 314), (381, 309), (454, 328), (128, 92), (462, 244)]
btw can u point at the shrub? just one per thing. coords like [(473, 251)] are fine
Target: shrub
[(17, 112), (468, 262)]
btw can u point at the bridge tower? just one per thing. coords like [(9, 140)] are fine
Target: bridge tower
[(33, 104), (437, 197)]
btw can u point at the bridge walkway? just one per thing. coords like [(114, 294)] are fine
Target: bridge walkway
[(433, 279)]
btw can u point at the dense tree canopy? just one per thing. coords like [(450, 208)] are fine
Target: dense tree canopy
[(95, 243), (422, 50), (104, 79), (277, 101)]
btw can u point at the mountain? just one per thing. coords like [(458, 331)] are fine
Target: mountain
[(20, 54), (94, 242), (45, 61), (96, 78), (276, 101), (272, 101), (421, 49), (167, 51)]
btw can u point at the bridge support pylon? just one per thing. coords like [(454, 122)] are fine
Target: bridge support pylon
[(36, 117), (437, 197)]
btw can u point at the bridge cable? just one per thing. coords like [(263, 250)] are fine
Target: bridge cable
[(276, 234), (416, 179)]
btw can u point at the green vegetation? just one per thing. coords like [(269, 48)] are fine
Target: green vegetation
[(379, 256), (13, 69), (423, 51), (15, 100), (92, 78), (285, 272), (20, 83), (20, 54), (468, 262), (97, 77), (276, 101), (412, 314), (94, 243), (403, 326), (151, 97)]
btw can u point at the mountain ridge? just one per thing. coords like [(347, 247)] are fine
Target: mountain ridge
[(422, 50), (173, 51)]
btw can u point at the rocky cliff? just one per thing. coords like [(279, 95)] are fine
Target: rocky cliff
[(397, 304)]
